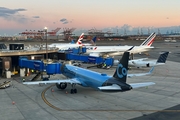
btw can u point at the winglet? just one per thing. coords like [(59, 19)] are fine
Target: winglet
[(162, 58), (130, 49)]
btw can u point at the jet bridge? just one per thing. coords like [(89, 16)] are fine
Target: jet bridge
[(90, 59), (54, 68), (77, 54), (49, 68)]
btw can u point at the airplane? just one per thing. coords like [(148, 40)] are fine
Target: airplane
[(143, 62), (64, 46), (110, 51), (96, 80), (67, 46)]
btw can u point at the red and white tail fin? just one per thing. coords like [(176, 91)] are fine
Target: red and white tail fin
[(79, 42), (148, 42)]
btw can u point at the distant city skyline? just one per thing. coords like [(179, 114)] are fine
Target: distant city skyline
[(106, 15)]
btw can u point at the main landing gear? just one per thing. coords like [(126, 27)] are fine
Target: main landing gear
[(62, 86), (73, 90)]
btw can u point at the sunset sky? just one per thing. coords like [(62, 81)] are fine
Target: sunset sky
[(18, 15)]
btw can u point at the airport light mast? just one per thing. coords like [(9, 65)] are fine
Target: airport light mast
[(45, 30)]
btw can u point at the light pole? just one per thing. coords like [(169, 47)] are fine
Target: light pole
[(45, 30)]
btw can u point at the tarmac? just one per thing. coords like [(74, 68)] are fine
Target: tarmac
[(160, 101)]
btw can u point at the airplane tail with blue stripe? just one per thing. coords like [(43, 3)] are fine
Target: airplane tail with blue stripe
[(148, 42), (72, 42), (93, 41)]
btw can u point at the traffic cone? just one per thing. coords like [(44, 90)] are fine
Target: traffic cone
[(52, 90), (13, 102)]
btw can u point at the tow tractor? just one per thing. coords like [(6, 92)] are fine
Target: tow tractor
[(5, 84)]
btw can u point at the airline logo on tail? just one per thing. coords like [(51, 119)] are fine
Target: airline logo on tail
[(79, 42), (148, 42), (121, 71), (162, 58)]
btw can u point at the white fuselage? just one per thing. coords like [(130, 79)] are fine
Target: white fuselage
[(67, 46), (114, 50), (140, 63), (64, 46)]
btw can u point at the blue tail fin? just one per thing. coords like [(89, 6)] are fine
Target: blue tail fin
[(72, 42), (94, 40), (122, 68), (162, 58)]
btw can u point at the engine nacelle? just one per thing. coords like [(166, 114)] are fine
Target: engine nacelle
[(61, 86)]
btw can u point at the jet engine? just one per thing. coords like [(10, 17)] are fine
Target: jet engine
[(61, 86)]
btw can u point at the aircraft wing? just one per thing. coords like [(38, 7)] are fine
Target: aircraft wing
[(71, 81), (137, 85), (141, 74)]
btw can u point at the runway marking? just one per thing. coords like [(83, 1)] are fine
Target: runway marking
[(96, 110), (46, 101)]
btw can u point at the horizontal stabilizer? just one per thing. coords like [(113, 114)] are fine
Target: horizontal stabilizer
[(112, 87), (138, 85)]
